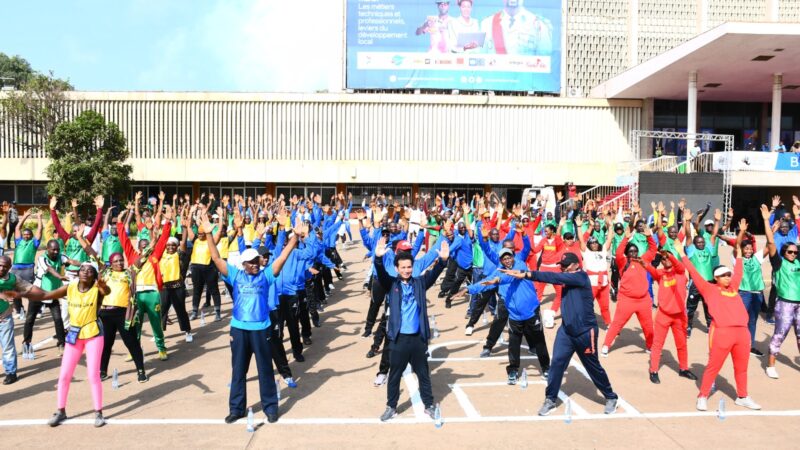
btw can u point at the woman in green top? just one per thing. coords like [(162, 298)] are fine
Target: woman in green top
[(786, 268), (752, 288)]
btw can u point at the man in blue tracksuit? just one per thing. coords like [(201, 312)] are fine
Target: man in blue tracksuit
[(522, 305), (578, 331), (291, 287), (392, 233), (408, 328), (461, 248), (250, 325)]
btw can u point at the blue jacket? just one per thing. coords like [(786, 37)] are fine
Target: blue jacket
[(293, 275), (461, 249), (577, 300), (519, 295), (252, 301), (394, 297)]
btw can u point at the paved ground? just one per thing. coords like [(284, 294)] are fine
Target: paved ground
[(335, 404)]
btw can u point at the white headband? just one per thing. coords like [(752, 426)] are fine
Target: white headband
[(721, 271)]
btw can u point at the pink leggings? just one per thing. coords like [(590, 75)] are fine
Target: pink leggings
[(72, 354)]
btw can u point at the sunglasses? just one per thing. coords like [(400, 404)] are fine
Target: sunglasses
[(791, 252)]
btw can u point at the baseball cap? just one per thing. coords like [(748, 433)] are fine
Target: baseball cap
[(403, 246), (263, 251), (504, 252), (249, 255), (568, 259), (708, 222)]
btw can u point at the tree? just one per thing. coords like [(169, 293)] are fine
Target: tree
[(87, 158), (16, 69)]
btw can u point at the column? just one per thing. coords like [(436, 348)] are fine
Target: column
[(691, 114), (775, 128)]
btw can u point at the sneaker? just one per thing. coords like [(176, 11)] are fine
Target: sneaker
[(604, 351), (448, 303), (687, 374), (611, 406), (366, 334), (654, 378), (547, 407), (162, 355), (512, 377), (771, 320), (103, 376), (431, 412), (193, 315), (330, 287), (60, 349), (468, 331), (772, 372), (647, 350), (389, 414), (366, 286), (372, 352), (702, 404), (546, 374), (272, 417), (689, 332), (485, 353), (756, 352), (217, 317), (189, 337), (141, 377), (128, 358), (99, 420), (307, 341), (39, 315), (58, 417), (380, 380), (290, 382), (299, 357), (232, 418), (10, 378), (747, 402)]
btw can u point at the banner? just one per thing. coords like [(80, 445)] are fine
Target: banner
[(756, 161), (496, 45), (788, 161)]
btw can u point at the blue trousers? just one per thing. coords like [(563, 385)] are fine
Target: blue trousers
[(585, 346), (245, 343), (752, 303)]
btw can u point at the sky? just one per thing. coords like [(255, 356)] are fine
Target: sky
[(180, 45)]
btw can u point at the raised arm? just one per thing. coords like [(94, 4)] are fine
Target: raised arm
[(60, 231), (20, 225), (765, 214)]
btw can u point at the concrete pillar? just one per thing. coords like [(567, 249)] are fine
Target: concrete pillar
[(648, 115), (775, 127), (691, 113)]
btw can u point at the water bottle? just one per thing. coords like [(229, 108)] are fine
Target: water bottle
[(721, 410), (437, 417), (485, 319), (115, 380), (25, 353), (250, 421), (434, 328), (31, 352), (202, 318), (278, 388), (568, 411), (523, 379)]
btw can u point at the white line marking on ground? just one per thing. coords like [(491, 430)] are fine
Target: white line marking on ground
[(463, 400), (621, 402), (41, 344), (413, 391), (435, 347), (577, 410), (493, 383)]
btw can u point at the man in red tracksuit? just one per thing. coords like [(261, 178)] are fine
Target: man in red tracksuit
[(671, 313), (633, 296), (728, 334), (551, 248)]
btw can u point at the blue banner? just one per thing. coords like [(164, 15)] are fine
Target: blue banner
[(495, 45), (788, 161)]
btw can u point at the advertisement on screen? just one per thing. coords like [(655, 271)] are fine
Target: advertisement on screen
[(492, 45)]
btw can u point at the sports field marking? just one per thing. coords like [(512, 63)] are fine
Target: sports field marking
[(435, 347), (413, 389)]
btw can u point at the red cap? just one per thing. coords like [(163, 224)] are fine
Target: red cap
[(404, 246)]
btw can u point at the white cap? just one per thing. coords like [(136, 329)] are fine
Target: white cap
[(249, 255), (708, 222), (91, 264), (722, 270), (173, 240)]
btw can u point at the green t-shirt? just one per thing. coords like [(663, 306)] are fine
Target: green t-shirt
[(25, 252), (703, 261), (616, 239), (432, 223), (600, 236), (752, 278), (111, 245), (76, 252), (787, 279), (707, 236), (7, 285), (640, 241), (50, 282)]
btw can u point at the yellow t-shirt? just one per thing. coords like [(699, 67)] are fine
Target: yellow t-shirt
[(170, 266), (222, 247), (249, 232), (200, 252), (119, 283), (82, 308), (233, 242)]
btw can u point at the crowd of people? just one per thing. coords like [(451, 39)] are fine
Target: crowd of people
[(277, 257)]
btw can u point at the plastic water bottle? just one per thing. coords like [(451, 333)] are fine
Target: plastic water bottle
[(202, 318), (434, 328), (437, 417), (31, 353), (278, 388), (115, 380), (251, 427), (523, 379), (568, 411), (721, 411), (25, 353)]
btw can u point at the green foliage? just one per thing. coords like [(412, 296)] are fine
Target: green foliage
[(87, 159), (16, 68)]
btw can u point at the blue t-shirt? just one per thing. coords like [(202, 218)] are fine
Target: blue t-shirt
[(409, 310), (244, 286)]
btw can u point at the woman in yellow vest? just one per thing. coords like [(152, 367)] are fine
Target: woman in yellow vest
[(204, 274), (173, 292)]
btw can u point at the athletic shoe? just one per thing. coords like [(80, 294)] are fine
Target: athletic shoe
[(512, 377), (307, 341), (366, 334), (687, 374), (604, 351), (442, 294), (380, 380), (189, 337), (448, 303), (10, 378), (389, 414), (58, 417), (272, 417), (330, 286), (39, 315), (217, 317), (162, 355), (689, 332), (431, 412), (647, 350), (702, 404), (99, 420), (128, 358), (546, 374), (299, 357), (366, 286), (103, 376), (193, 315), (549, 318), (611, 406), (60, 349), (747, 402), (372, 352), (141, 377), (232, 418), (485, 353), (772, 372), (771, 320), (654, 378), (547, 407), (468, 331), (756, 352), (290, 382)]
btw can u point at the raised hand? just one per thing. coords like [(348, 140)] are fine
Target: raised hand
[(765, 213), (138, 196), (687, 214), (776, 200), (53, 202), (381, 248), (717, 215), (161, 196), (74, 203), (444, 250), (743, 224), (99, 201)]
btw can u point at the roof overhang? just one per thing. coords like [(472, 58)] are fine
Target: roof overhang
[(734, 62)]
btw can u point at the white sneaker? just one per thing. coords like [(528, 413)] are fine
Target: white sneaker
[(379, 380), (330, 286), (772, 373), (468, 331), (702, 404), (604, 351), (189, 337), (747, 402)]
